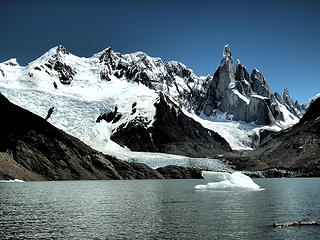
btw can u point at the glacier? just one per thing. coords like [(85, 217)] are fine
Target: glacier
[(156, 160), (236, 181), (98, 84)]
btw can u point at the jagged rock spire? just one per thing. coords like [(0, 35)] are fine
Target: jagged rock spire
[(243, 77), (239, 94), (227, 51), (289, 102), (287, 99), (278, 97), (227, 60), (286, 93), (259, 84)]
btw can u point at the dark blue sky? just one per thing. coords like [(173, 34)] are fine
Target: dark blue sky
[(280, 38)]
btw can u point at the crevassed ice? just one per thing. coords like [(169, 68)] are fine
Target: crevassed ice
[(155, 160), (227, 181)]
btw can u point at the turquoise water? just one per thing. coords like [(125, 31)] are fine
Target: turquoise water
[(156, 209)]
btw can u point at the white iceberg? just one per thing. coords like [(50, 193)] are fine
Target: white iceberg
[(14, 180), (227, 181)]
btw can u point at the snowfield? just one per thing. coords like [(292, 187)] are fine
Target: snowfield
[(237, 133)]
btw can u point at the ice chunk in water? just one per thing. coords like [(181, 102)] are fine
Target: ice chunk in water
[(14, 180), (227, 181)]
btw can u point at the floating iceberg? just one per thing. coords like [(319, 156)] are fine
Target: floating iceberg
[(14, 180), (227, 181)]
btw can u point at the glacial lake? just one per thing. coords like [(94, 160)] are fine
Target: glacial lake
[(156, 209)]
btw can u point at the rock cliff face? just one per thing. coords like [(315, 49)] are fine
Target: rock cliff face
[(171, 132), (32, 149), (173, 78), (56, 64), (243, 97), (295, 149)]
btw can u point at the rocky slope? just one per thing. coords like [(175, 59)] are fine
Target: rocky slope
[(33, 149), (295, 149), (171, 132)]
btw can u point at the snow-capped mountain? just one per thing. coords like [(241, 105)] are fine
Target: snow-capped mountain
[(126, 89)]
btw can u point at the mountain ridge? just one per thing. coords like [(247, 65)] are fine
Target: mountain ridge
[(108, 57), (109, 79)]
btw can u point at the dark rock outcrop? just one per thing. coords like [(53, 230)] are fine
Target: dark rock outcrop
[(270, 173), (117, 118), (178, 172), (171, 132), (66, 73), (107, 59), (33, 149), (133, 170), (50, 111), (312, 113), (11, 62), (2, 73), (112, 116), (136, 135)]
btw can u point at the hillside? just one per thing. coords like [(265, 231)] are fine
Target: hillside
[(295, 149)]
